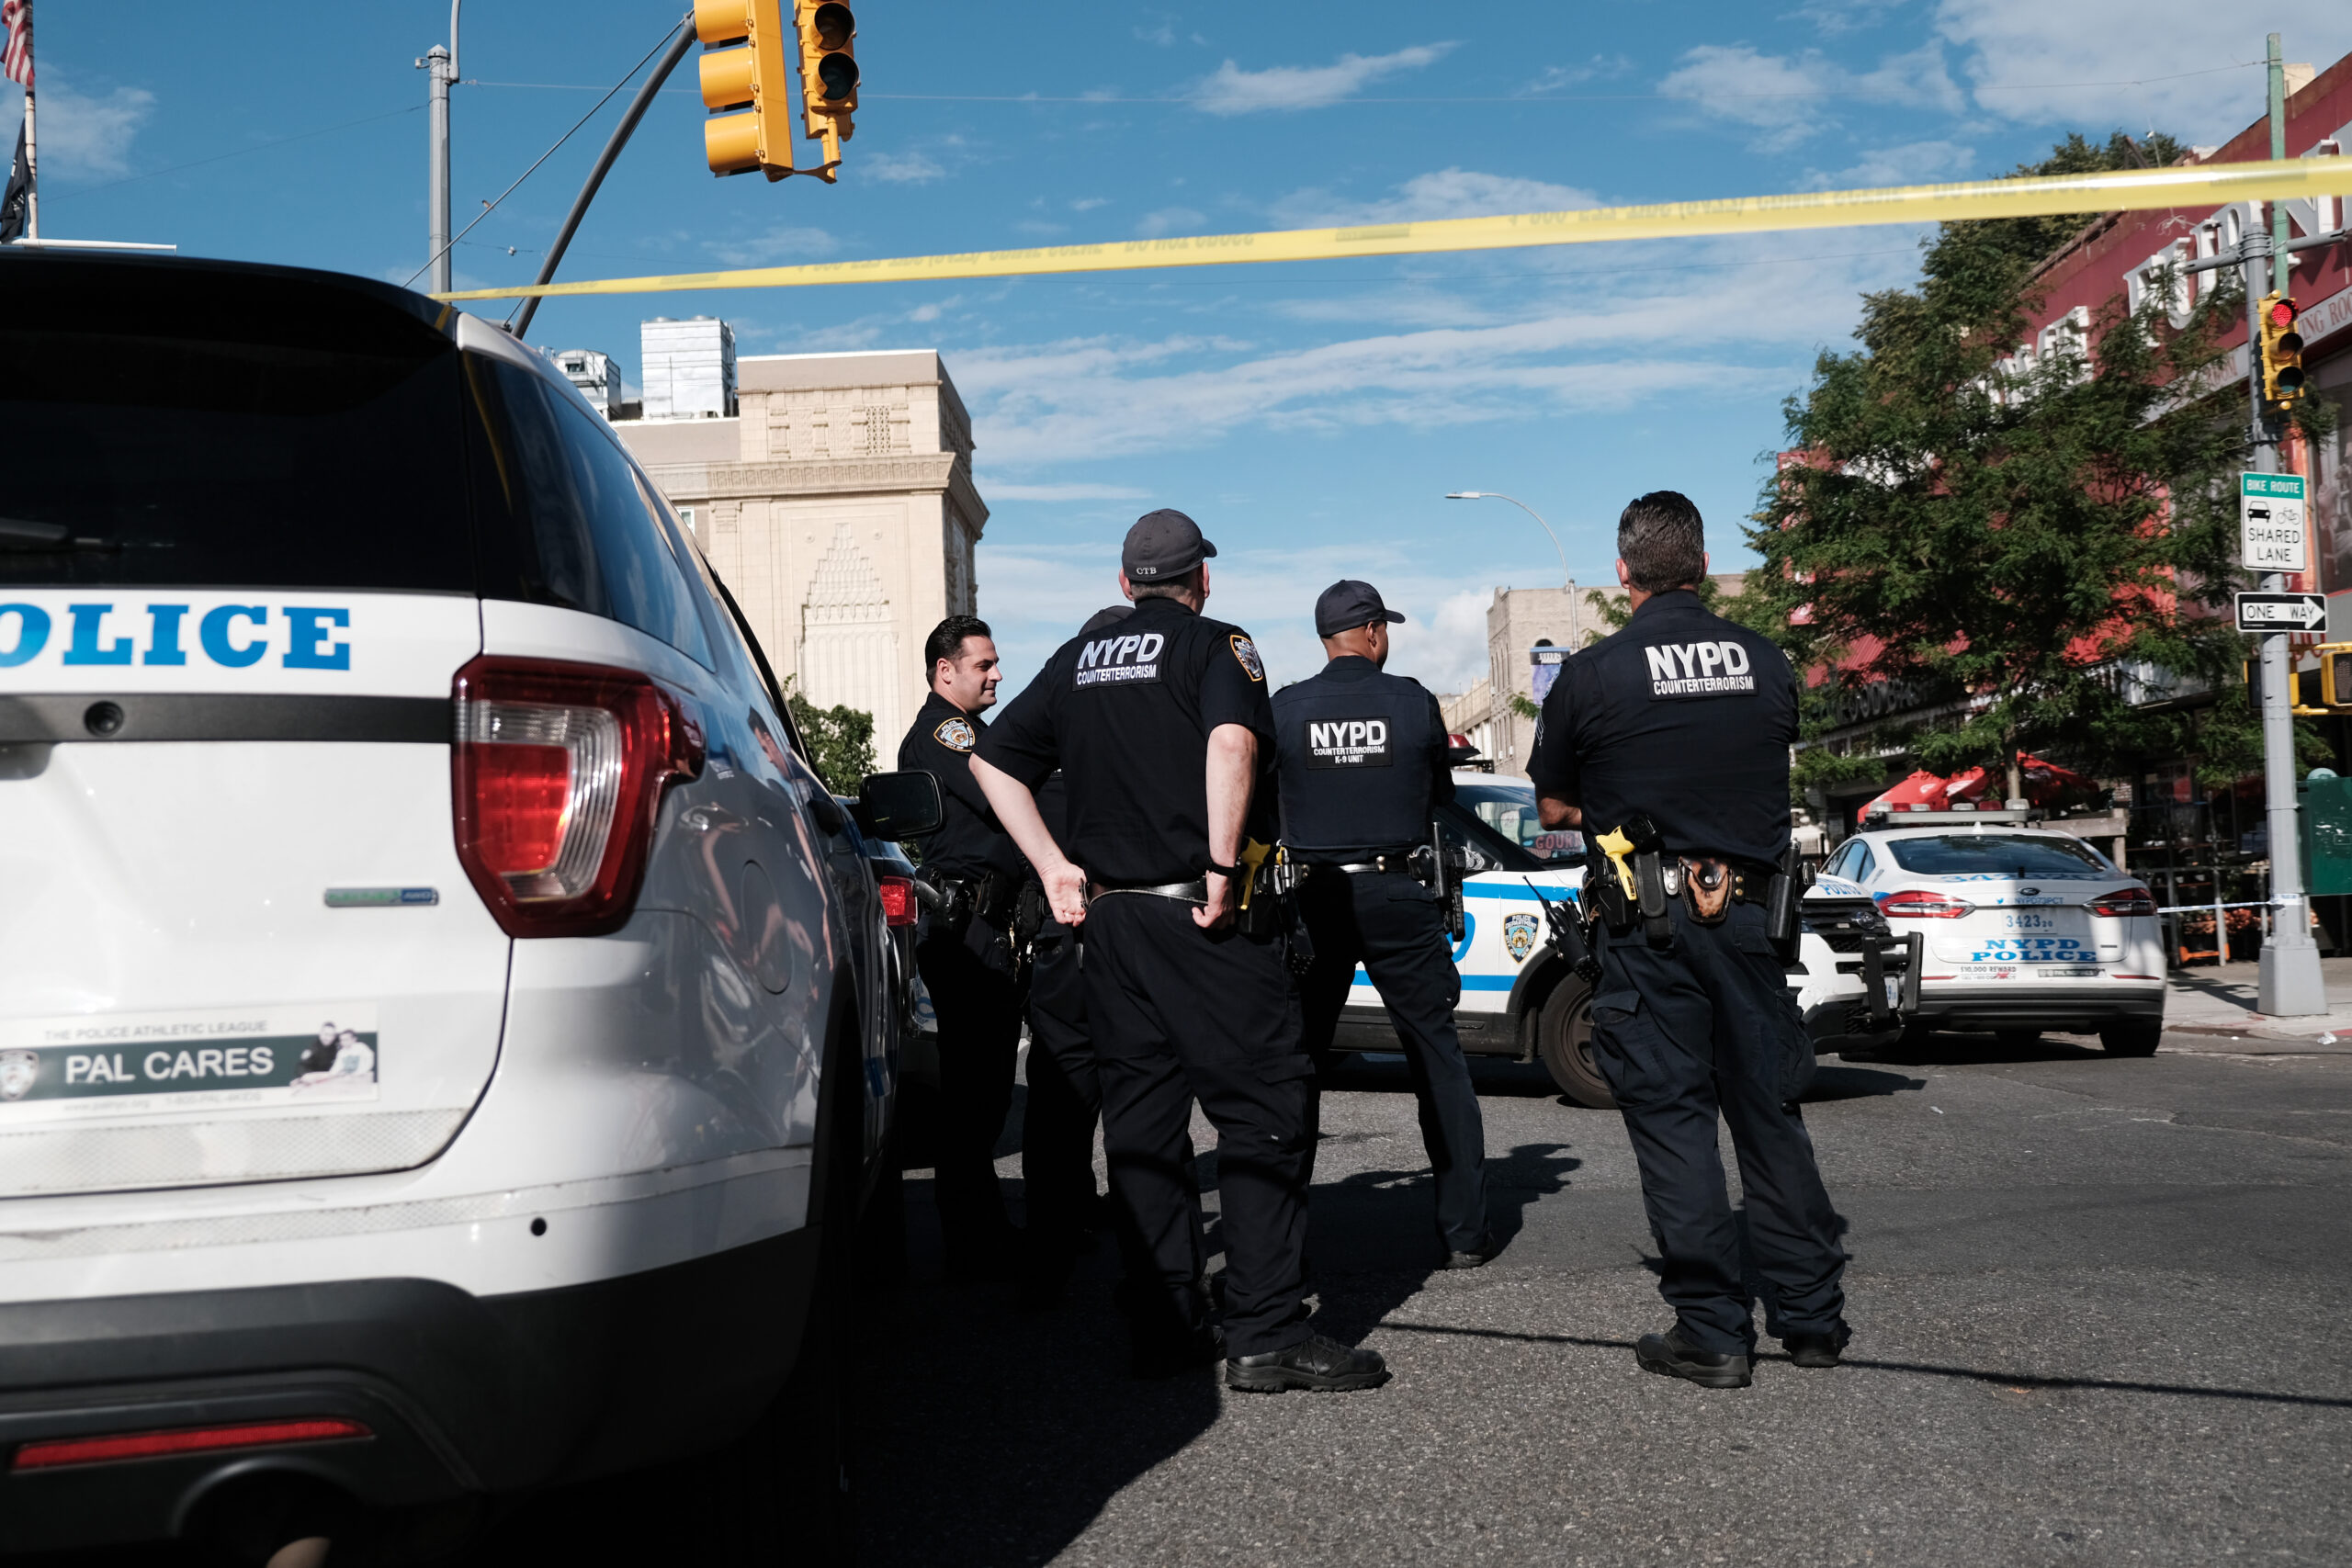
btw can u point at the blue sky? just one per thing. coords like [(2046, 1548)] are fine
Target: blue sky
[(1312, 415)]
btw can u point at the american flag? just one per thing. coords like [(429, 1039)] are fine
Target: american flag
[(16, 58)]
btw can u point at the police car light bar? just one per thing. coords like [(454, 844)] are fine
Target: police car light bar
[(1929, 816)]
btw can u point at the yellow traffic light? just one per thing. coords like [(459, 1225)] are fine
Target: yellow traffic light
[(743, 86), (2282, 350), (828, 75), (2335, 675)]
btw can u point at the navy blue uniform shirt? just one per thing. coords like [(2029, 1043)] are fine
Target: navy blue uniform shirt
[(1363, 757), (970, 841), (1684, 716), (1126, 713)]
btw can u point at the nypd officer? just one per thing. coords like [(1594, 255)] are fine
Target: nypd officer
[(1686, 720), (1163, 731), (1361, 760), (965, 952)]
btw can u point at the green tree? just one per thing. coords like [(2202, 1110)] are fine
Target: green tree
[(839, 740), (2020, 551)]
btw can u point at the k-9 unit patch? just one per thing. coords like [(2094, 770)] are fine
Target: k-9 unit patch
[(1348, 743), (1120, 660), (1700, 670), (1247, 651), (1519, 936), (955, 733)]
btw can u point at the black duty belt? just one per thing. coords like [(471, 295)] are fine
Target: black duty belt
[(1381, 860), (1189, 892)]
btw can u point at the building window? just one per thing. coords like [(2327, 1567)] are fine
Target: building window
[(687, 515)]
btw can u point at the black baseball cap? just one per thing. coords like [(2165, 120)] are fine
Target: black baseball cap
[(1102, 618), (1163, 543), (1348, 604)]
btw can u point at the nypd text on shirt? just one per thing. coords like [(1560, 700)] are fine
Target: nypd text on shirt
[(1348, 743), (1699, 669), (1120, 660)]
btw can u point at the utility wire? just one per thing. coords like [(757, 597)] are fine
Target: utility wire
[(490, 206), (1196, 100)]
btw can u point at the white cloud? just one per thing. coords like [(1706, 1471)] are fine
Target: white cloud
[(898, 168), (1168, 221), (1040, 229), (776, 246), (1230, 90), (1089, 203), (1787, 98), (1543, 350), (1911, 163), (1443, 193), (996, 491), (1836, 16), (2029, 44), (82, 134), (1555, 77), (1447, 651)]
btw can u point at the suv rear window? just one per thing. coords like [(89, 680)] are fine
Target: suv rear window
[(1999, 854), (193, 428)]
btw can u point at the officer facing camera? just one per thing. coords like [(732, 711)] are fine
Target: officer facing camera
[(1164, 736), (965, 950), (1363, 760), (1668, 744)]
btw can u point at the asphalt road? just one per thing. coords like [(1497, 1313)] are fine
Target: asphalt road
[(2099, 1311)]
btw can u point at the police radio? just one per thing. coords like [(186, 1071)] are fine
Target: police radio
[(1447, 886)]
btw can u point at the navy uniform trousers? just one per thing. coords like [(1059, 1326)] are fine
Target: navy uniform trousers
[(1179, 1015), (1392, 924), (1065, 1094), (1704, 1027), (973, 989)]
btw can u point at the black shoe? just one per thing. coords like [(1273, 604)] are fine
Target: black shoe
[(1817, 1350), (1321, 1365), (1159, 1356), (1477, 1256), (1672, 1356)]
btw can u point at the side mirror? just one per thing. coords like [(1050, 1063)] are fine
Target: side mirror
[(901, 805)]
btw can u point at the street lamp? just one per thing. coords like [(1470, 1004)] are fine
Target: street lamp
[(1497, 495)]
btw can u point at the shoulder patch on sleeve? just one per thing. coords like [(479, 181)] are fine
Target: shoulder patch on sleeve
[(955, 733), (1247, 652)]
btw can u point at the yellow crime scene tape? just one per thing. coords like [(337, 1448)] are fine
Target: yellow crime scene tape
[(2200, 187)]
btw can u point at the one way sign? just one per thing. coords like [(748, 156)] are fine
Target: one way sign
[(2281, 612)]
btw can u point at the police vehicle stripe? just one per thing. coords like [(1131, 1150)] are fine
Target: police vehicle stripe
[(146, 715)]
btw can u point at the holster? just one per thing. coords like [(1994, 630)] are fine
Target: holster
[(1265, 894), (1781, 926), (1706, 889), (1031, 911)]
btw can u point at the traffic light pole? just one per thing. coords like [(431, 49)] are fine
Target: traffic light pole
[(2290, 984), (521, 322)]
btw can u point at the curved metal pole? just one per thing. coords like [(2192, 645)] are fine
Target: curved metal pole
[(521, 322), (1497, 495)]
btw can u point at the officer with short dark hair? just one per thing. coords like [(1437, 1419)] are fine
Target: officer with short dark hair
[(1161, 728), (1363, 758), (965, 950), (1674, 733)]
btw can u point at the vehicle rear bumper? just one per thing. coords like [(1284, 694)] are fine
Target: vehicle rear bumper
[(462, 1393), (2071, 1008)]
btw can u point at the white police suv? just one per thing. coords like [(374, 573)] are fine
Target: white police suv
[(445, 1035), (1521, 998), (2025, 929)]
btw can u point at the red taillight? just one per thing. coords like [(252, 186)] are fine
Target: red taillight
[(899, 900), (558, 772), (53, 1453), (2124, 901), (1920, 904)]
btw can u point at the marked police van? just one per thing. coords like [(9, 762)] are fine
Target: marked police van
[(1853, 982), (446, 1035), (2026, 929)]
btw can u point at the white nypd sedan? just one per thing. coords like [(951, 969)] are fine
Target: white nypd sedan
[(2025, 929), (1854, 981)]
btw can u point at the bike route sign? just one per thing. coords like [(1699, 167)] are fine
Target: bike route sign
[(2270, 523)]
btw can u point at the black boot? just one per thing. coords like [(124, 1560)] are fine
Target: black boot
[(1322, 1365), (1817, 1350), (1672, 1356)]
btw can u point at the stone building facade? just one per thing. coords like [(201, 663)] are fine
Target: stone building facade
[(838, 504)]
